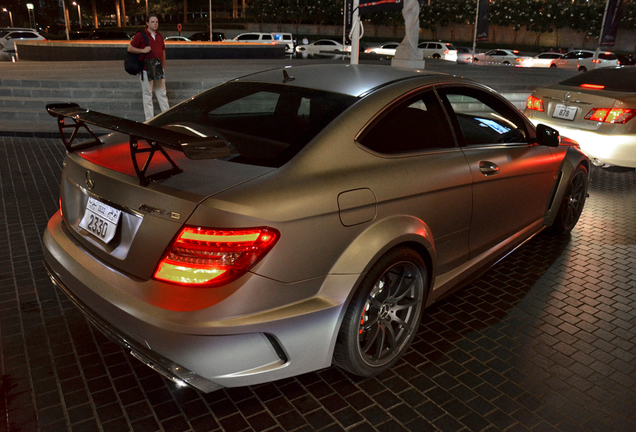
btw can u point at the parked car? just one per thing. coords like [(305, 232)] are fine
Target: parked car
[(253, 37), (597, 109), (178, 39), (545, 59), (503, 57), (205, 37), (245, 250), (438, 50), (285, 38), (320, 46), (386, 49), (584, 60), (8, 36)]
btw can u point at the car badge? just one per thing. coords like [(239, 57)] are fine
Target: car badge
[(568, 95), (90, 182)]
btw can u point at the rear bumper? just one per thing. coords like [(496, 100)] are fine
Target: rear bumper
[(200, 348), (619, 150)]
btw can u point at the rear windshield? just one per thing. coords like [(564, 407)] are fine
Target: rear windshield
[(264, 124), (614, 79)]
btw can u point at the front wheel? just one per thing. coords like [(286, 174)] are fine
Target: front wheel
[(572, 205), (384, 314)]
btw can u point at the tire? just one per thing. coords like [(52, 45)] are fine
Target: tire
[(384, 314), (572, 205), (582, 69), (506, 63), (552, 65), (436, 56)]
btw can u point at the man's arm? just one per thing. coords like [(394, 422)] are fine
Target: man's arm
[(144, 50)]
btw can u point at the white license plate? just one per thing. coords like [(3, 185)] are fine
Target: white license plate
[(100, 220), (564, 112)]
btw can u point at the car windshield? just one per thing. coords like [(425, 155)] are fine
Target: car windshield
[(613, 79), (263, 124)]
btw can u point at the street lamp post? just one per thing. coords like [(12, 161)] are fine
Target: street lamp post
[(79, 13), (10, 16)]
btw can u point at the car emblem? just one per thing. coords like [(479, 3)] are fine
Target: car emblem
[(90, 182), (568, 95)]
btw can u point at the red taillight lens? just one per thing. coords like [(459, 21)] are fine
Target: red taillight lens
[(212, 257), (611, 115), (593, 86), (534, 103)]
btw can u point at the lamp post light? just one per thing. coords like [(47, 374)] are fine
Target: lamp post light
[(79, 13), (10, 16)]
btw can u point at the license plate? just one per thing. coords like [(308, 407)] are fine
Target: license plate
[(100, 220), (564, 112)]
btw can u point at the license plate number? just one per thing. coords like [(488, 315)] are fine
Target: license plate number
[(100, 220), (564, 112)]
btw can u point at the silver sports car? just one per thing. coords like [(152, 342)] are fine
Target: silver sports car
[(298, 217)]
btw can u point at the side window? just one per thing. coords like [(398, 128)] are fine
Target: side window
[(267, 37), (414, 125), (482, 118)]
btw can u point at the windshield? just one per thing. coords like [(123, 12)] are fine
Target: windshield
[(263, 124)]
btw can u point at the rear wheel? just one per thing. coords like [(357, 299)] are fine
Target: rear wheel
[(552, 65), (582, 69), (572, 204), (383, 315), (506, 63), (436, 56)]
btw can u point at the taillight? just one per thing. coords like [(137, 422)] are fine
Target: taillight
[(534, 103), (611, 115), (593, 86), (212, 257)]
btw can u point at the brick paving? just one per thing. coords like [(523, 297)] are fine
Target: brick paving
[(544, 341)]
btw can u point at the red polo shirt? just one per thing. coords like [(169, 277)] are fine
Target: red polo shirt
[(156, 44)]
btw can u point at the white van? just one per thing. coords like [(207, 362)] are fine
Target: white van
[(285, 38)]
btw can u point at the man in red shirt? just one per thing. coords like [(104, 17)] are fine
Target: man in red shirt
[(156, 49)]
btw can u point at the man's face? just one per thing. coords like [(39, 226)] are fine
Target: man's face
[(153, 24)]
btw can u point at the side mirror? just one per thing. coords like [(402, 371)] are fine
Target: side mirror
[(547, 136)]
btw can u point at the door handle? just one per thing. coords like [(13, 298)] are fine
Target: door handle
[(488, 168)]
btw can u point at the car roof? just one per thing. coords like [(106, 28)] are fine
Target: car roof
[(353, 80)]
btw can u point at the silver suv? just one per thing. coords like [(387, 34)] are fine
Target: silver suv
[(583, 60), (438, 50), (9, 35)]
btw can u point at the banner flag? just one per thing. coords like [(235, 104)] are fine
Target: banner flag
[(370, 6), (613, 17), (482, 20), (348, 16)]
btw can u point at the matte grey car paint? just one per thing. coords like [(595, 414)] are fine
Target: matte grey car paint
[(338, 207)]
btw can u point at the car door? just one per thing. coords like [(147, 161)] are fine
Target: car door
[(423, 173), (512, 179)]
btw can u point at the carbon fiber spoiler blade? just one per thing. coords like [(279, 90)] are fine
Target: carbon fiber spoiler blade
[(152, 139)]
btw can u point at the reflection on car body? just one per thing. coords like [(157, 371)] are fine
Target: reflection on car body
[(503, 57), (301, 216), (597, 108)]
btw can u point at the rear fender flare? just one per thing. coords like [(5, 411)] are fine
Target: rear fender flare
[(381, 236)]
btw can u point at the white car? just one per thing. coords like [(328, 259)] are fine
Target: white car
[(386, 49), (254, 37), (503, 57), (320, 46), (438, 50), (177, 39), (465, 55), (584, 60), (545, 59), (285, 38), (9, 35)]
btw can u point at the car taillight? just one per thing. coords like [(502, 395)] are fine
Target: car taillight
[(534, 103), (212, 257), (611, 115), (593, 86)]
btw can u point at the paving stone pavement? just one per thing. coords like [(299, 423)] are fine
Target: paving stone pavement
[(544, 341)]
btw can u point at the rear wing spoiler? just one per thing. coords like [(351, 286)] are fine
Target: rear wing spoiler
[(144, 138)]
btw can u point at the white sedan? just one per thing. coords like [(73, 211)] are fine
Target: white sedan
[(386, 49), (320, 46), (545, 59), (503, 57)]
